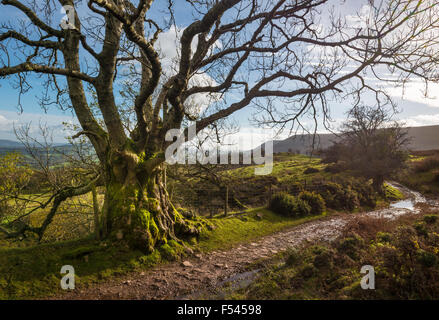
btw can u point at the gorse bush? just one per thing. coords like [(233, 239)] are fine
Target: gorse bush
[(311, 170), (314, 200), (348, 194), (302, 207), (335, 168), (284, 204), (287, 205), (338, 197), (430, 218)]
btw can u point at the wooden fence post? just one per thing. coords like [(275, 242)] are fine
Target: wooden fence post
[(226, 202), (95, 212)]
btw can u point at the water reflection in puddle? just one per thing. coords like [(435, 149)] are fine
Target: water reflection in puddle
[(403, 204)]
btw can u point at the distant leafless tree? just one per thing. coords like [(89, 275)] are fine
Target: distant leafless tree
[(373, 145)]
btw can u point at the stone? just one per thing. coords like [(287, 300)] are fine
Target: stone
[(186, 264)]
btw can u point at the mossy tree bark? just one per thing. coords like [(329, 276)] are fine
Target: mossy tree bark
[(378, 184), (137, 207)]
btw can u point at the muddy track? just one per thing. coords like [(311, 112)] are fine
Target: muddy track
[(202, 274)]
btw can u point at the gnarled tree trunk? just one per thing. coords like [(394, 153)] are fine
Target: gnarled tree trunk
[(377, 184), (138, 211)]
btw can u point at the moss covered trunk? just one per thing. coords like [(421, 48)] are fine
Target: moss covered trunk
[(378, 184), (137, 208)]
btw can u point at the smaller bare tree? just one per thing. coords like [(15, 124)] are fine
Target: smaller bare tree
[(62, 173), (373, 144)]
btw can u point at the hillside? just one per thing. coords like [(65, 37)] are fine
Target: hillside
[(422, 138), (56, 151)]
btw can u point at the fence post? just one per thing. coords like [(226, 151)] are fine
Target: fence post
[(270, 194), (226, 203)]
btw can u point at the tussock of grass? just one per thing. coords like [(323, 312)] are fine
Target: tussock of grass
[(423, 172)]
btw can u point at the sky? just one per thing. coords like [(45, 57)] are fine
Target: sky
[(416, 109)]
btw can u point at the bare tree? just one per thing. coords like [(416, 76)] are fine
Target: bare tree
[(373, 145), (273, 54), (61, 173)]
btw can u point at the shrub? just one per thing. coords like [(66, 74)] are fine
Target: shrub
[(311, 170), (339, 198), (421, 229), (303, 208), (308, 271), (292, 258), (427, 259), (332, 193), (334, 168), (314, 200), (288, 205), (351, 245), (430, 218), (366, 195), (296, 187), (323, 258), (427, 164), (383, 237), (283, 204)]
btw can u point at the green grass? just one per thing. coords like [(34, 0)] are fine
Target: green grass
[(285, 170), (392, 193), (424, 182), (34, 272)]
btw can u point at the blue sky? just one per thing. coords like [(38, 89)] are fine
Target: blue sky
[(416, 109)]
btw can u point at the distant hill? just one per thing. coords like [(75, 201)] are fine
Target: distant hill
[(10, 144), (422, 138)]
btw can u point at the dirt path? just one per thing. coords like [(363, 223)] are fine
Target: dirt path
[(203, 273)]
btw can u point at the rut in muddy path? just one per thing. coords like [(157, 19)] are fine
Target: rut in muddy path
[(202, 274)]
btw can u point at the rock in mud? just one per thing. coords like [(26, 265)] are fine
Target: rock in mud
[(186, 264)]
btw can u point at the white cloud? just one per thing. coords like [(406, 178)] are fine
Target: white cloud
[(168, 46), (415, 91), (10, 119), (248, 138), (422, 120), (4, 121)]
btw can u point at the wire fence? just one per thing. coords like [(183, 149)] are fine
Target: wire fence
[(213, 200)]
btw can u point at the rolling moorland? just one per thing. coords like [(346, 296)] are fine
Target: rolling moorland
[(421, 138)]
